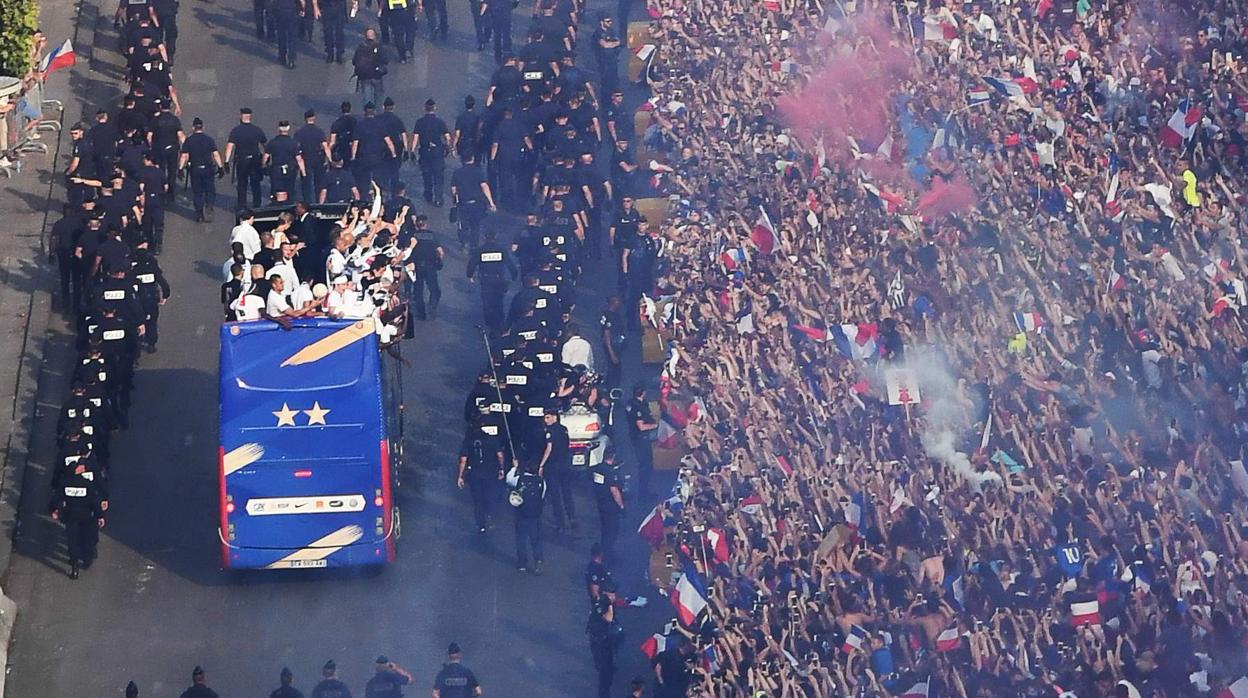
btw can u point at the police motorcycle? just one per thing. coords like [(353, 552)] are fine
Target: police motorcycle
[(588, 414)]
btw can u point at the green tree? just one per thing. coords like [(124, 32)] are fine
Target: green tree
[(18, 21)]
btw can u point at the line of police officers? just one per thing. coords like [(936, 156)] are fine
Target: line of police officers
[(119, 180)]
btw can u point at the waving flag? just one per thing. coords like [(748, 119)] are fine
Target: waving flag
[(697, 410), (653, 645), (651, 528), (815, 333), (1182, 125), (782, 462), (918, 690), (717, 541), (733, 259), (689, 598), (977, 97), (1085, 613), (764, 233), (709, 661), (1239, 689), (856, 342), (752, 505), (1028, 322), (1006, 86), (665, 435), (855, 640), (62, 56), (948, 640)]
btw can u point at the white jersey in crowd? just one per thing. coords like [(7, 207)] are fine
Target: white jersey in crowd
[(577, 351), (246, 234)]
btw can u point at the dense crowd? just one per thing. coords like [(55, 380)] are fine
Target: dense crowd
[(955, 288)]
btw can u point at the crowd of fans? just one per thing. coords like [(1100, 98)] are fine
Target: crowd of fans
[(22, 107), (1029, 210)]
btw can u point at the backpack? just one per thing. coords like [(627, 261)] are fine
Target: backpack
[(367, 65)]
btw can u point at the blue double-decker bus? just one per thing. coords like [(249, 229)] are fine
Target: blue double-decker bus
[(310, 442)]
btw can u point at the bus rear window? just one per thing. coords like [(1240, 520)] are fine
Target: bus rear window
[(256, 360)]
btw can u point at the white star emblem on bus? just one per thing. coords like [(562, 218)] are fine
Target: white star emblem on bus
[(286, 416), (316, 415)]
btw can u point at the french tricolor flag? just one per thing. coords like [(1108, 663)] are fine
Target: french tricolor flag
[(697, 410), (1006, 86), (918, 690), (948, 640), (1028, 322), (689, 598), (61, 57), (665, 435), (653, 645), (1239, 689), (734, 258), (717, 541), (709, 661), (764, 233), (1085, 613), (855, 640), (651, 528), (1182, 125), (817, 334)]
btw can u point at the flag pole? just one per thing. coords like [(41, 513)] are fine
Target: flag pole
[(489, 352)]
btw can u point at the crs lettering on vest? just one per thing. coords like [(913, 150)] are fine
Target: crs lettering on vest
[(75, 491), (146, 278), (491, 256), (111, 335), (557, 240), (537, 412), (115, 295), (561, 257), (546, 357), (489, 429)]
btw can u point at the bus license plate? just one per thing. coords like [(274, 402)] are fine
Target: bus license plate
[(308, 563), (578, 459)]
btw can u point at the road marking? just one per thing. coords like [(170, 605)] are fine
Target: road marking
[(266, 81), (199, 331), (202, 76), (199, 97)]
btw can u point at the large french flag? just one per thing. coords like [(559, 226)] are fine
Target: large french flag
[(717, 541), (1182, 125), (1239, 689), (764, 233), (60, 57), (689, 598), (918, 690), (1086, 613), (855, 640), (856, 341), (665, 435)]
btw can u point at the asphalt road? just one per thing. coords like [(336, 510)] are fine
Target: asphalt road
[(156, 603)]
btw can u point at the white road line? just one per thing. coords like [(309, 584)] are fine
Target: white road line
[(202, 76), (417, 71), (199, 97)]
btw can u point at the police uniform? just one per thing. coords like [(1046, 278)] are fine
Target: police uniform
[(483, 454), (333, 25), (166, 136), (603, 640), (638, 410), (248, 140), (470, 201), (605, 482), (435, 12), (285, 20), (370, 147), (80, 506), (283, 153), (311, 140), (400, 16), (624, 229), (558, 473), (153, 290), (493, 267), (199, 148), (431, 133), (642, 264), (529, 519), (152, 177), (455, 680), (612, 323), (425, 259), (391, 163), (339, 185), (498, 13)]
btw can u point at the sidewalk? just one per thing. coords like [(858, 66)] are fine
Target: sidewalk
[(30, 202)]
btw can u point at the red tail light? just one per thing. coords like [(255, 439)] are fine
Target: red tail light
[(592, 426), (303, 473), (229, 507)]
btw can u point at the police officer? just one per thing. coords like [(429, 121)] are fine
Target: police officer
[(400, 17), (625, 226), (480, 466), (284, 159), (431, 140), (199, 686), (641, 428), (556, 466), (153, 292), (466, 138), (498, 15), (314, 149), (81, 164), (152, 180), (333, 16), (481, 398), (200, 154), (604, 634), (612, 324), (285, 19), (167, 17), (166, 138), (285, 690), (455, 680), (480, 24), (427, 261), (493, 267), (529, 490), (245, 148), (330, 686), (339, 185), (394, 128), (609, 496), (640, 265), (370, 147), (79, 505), (607, 49), (65, 234), (435, 12), (472, 197), (507, 159), (388, 680)]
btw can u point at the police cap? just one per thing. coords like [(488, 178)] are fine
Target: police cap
[(369, 106), (245, 111), (197, 121), (330, 665), (309, 114), (286, 674), (132, 690), (197, 671), (383, 659), (388, 102), (283, 124), (430, 104), (453, 648)]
